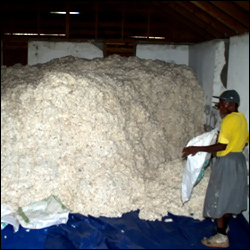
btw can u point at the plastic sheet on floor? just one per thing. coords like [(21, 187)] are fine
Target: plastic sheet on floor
[(126, 232)]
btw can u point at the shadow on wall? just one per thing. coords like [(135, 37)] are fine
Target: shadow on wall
[(223, 75), (212, 120)]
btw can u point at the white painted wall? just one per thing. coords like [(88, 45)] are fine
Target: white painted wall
[(238, 79), (177, 54), (207, 61), (238, 70), (44, 51)]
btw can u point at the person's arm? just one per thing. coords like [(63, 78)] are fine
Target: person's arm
[(209, 149)]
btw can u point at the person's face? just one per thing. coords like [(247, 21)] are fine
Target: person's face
[(225, 107)]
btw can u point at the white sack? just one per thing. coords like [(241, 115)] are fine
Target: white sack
[(8, 216), (44, 213), (195, 163)]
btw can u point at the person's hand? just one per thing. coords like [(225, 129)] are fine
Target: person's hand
[(189, 150)]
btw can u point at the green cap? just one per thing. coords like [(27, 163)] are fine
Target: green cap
[(230, 96)]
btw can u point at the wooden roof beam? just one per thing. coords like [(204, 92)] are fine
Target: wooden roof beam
[(164, 9), (193, 18), (221, 16), (234, 11), (243, 4), (211, 21)]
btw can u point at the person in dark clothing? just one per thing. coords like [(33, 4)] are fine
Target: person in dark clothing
[(227, 188)]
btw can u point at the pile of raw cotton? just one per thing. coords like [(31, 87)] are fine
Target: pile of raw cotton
[(104, 135)]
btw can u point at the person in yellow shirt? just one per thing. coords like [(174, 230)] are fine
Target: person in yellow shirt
[(227, 188)]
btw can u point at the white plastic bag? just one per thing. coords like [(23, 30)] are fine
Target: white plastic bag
[(8, 216), (44, 213), (195, 163)]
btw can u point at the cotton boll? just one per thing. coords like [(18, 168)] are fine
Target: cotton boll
[(104, 135)]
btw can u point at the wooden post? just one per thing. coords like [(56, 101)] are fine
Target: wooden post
[(122, 20), (96, 20), (67, 20), (148, 29), (173, 27), (11, 22), (38, 21)]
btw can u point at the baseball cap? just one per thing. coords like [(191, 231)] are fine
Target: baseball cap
[(229, 96)]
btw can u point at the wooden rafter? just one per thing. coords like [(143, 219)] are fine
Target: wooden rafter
[(220, 16), (186, 21), (243, 4), (197, 21), (208, 19), (170, 11), (233, 11)]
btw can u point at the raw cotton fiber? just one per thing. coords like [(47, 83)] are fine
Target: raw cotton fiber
[(104, 135)]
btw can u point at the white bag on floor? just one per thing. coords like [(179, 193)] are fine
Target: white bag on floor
[(8, 216), (44, 213), (195, 163)]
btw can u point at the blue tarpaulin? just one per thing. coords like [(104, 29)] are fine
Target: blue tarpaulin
[(126, 232)]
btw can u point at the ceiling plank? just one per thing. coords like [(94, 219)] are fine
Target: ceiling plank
[(243, 4), (182, 21), (164, 9), (221, 16), (211, 21), (234, 11), (174, 5)]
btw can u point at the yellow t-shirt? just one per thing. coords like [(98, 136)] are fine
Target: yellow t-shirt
[(234, 133)]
